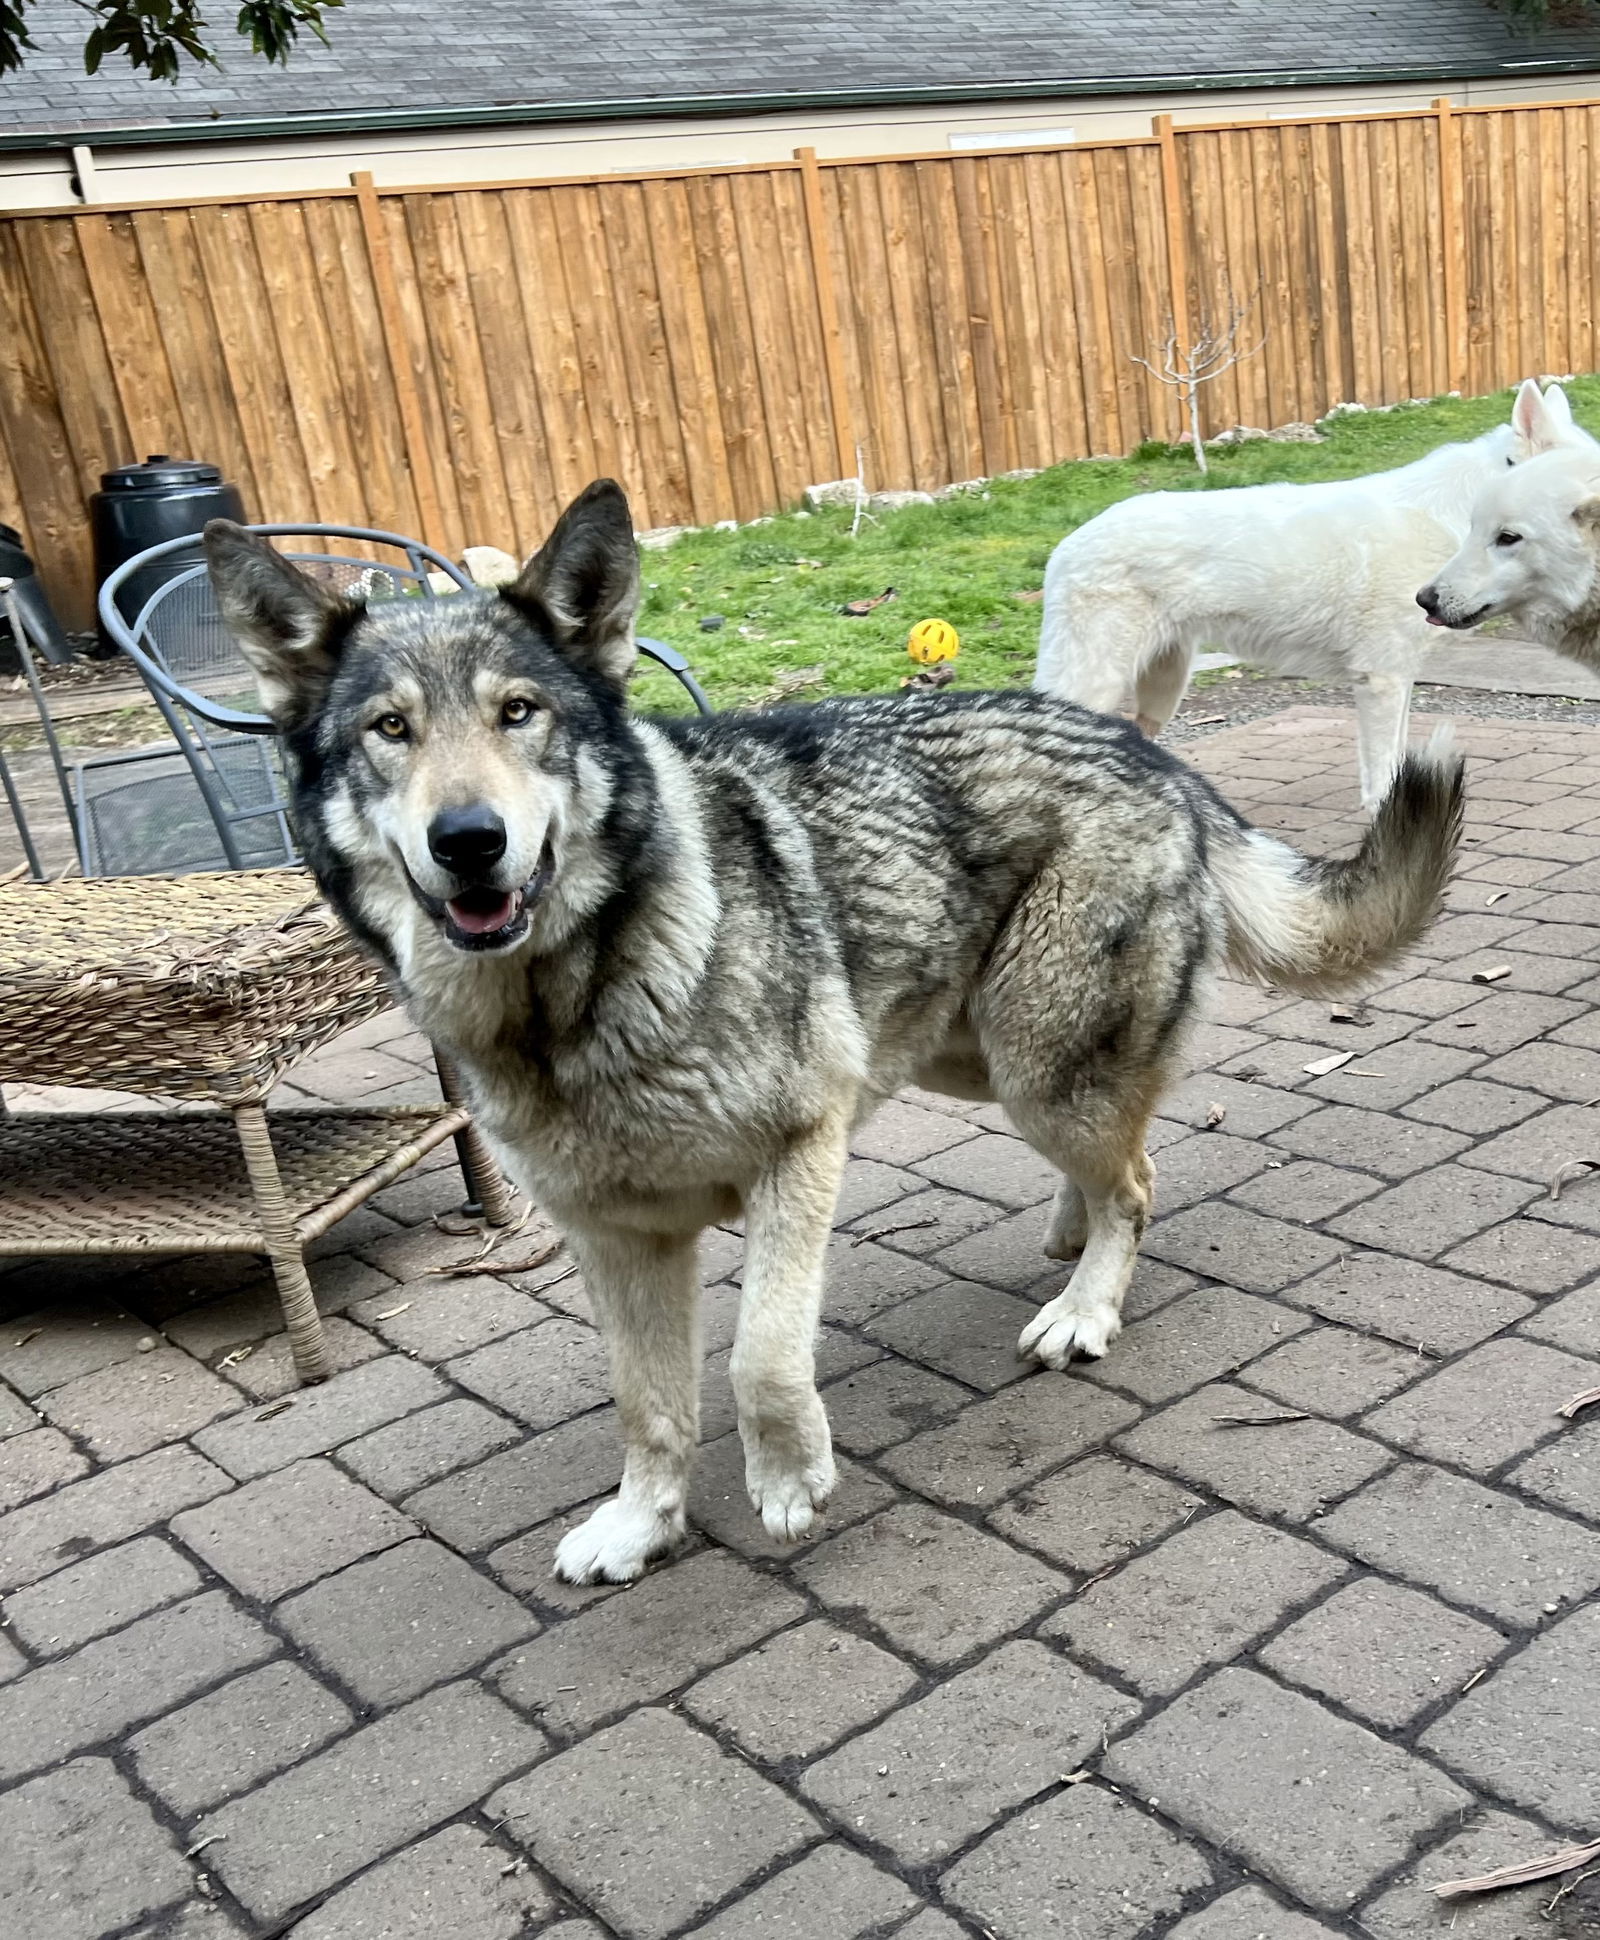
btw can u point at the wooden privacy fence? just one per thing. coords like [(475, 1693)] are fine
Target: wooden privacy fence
[(455, 363)]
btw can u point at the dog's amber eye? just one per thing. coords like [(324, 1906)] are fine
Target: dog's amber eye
[(516, 712), (392, 727)]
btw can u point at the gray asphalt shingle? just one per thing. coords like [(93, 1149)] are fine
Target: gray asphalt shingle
[(421, 54)]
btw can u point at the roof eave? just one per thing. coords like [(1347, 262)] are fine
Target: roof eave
[(383, 120)]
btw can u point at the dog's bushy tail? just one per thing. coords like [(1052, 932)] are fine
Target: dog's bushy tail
[(1324, 928)]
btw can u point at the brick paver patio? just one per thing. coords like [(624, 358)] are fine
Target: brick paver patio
[(1075, 1656)]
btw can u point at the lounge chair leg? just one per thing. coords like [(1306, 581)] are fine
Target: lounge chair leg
[(488, 1195), (307, 1342)]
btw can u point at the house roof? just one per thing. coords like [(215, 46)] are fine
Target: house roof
[(415, 62)]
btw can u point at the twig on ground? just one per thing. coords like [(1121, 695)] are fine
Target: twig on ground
[(1522, 1873), (1570, 1410), (884, 1232), (480, 1263), (1571, 1886), (1573, 1169), (1258, 1421)]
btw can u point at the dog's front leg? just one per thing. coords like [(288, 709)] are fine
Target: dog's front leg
[(646, 1293), (788, 1454)]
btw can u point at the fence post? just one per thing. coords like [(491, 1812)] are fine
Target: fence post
[(1177, 239), (412, 423), (1454, 241), (827, 311)]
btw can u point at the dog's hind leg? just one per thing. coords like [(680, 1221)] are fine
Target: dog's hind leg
[(1113, 1177), (646, 1292), (1069, 1223), (788, 1217), (1158, 688), (1383, 711)]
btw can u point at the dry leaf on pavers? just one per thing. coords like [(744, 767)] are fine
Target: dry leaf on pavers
[(481, 1263), (1215, 1116), (1348, 1014), (1320, 1067), (1522, 1874), (1496, 896), (883, 1232), (1492, 976), (1256, 1421), (1573, 1408), (1573, 1169)]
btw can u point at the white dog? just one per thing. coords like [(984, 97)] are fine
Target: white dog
[(1317, 580), (1532, 554)]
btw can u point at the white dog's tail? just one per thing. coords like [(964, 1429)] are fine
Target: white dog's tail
[(1323, 928)]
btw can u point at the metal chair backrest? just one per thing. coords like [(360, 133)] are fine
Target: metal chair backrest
[(200, 680), (189, 659)]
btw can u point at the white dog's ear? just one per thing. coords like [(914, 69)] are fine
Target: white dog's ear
[(584, 583), (289, 627), (1536, 424), (1558, 407)]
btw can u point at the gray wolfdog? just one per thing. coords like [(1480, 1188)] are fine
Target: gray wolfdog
[(679, 960)]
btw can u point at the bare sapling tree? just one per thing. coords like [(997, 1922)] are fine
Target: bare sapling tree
[(1217, 346)]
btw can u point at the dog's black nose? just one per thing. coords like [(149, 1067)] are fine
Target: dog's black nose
[(468, 840), (1428, 599)]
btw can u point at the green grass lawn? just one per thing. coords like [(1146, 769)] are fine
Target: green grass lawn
[(780, 585)]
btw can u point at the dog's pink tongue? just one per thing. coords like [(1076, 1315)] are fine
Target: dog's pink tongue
[(1434, 620), (481, 916)]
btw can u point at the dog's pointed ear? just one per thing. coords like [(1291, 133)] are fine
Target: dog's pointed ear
[(1558, 407), (285, 623), (584, 583), (1536, 424)]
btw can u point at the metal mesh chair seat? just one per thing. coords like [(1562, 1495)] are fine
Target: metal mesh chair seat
[(147, 817)]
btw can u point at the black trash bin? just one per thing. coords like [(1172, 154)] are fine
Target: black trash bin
[(139, 506), (16, 566)]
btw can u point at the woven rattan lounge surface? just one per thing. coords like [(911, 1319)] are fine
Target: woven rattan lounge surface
[(202, 986), (157, 1182)]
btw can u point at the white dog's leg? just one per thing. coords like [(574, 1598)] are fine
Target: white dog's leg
[(1383, 713), (646, 1293), (788, 1216), (1159, 688)]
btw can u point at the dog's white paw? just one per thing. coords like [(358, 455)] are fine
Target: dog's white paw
[(1059, 1332), (788, 1489), (616, 1543)]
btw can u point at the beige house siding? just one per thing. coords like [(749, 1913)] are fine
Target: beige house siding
[(51, 177)]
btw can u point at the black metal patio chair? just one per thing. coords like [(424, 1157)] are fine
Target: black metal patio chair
[(200, 680)]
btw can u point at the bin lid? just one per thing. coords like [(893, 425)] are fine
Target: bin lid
[(160, 473)]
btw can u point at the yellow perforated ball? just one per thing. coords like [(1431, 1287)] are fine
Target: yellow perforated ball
[(933, 640)]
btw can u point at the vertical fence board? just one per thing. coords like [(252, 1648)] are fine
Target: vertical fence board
[(709, 482), (517, 419), (365, 392), (48, 509)]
